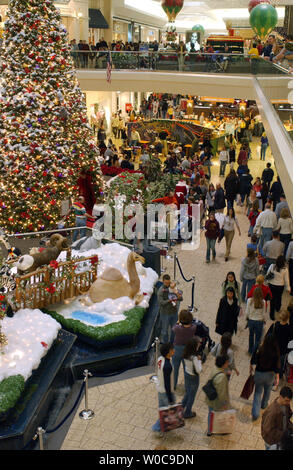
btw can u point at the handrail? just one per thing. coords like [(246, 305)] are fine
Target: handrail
[(280, 141), (198, 61)]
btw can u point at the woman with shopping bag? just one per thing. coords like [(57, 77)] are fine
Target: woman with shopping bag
[(220, 402), (266, 361)]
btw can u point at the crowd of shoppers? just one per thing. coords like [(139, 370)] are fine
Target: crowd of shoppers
[(265, 273)]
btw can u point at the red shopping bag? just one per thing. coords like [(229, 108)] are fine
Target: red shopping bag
[(171, 417), (261, 260), (248, 388)]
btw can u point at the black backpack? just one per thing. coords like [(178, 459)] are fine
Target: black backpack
[(209, 388)]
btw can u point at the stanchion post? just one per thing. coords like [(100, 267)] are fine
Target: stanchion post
[(192, 308), (86, 414), (175, 261), (154, 378), (162, 263), (39, 434)]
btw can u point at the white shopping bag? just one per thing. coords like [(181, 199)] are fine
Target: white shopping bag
[(223, 422)]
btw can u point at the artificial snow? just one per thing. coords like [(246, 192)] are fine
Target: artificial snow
[(25, 332), (115, 256)]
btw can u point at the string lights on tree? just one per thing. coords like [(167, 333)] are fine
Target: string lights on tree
[(45, 139)]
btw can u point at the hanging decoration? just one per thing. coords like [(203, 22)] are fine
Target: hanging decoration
[(254, 3), (172, 8), (171, 35), (263, 20)]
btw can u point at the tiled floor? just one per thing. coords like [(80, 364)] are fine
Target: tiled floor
[(125, 410)]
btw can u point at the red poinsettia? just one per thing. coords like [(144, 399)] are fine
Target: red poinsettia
[(54, 264), (2, 297), (51, 289), (94, 259)]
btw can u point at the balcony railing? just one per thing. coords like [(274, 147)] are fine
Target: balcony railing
[(173, 61)]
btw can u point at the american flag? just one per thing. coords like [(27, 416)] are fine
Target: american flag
[(109, 67)]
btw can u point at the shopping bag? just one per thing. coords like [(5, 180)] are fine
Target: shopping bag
[(222, 422), (248, 388), (171, 417), (261, 260)]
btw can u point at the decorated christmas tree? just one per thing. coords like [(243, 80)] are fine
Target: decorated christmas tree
[(46, 143)]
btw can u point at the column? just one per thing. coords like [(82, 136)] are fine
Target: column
[(289, 14), (108, 14)]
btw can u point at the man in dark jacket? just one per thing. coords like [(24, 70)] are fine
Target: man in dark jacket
[(220, 203), (276, 419), (231, 188), (167, 309), (276, 192), (268, 175), (245, 185)]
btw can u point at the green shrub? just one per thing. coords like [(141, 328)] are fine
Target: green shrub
[(10, 391), (129, 327)]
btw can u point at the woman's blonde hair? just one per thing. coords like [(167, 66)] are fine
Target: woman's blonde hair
[(258, 297), (284, 316), (284, 214), (260, 279)]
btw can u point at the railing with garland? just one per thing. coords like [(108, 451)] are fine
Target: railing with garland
[(54, 283)]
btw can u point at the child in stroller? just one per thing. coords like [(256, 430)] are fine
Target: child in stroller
[(203, 332)]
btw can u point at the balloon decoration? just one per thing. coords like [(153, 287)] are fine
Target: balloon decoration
[(263, 20), (198, 28), (172, 8), (254, 3)]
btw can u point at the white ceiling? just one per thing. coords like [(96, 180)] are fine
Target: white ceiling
[(210, 13)]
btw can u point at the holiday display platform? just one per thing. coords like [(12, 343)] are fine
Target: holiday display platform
[(112, 322), (122, 343), (19, 424)]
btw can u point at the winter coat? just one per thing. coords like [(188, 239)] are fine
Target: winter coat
[(220, 202), (245, 183), (227, 316), (272, 423), (221, 384), (249, 269), (231, 186)]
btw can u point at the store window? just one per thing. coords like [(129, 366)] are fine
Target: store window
[(120, 31)]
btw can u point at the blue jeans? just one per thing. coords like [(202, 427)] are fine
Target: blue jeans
[(246, 286), (222, 168), (79, 222), (285, 238), (163, 401), (211, 243), (191, 387), (266, 236), (176, 361), (263, 386), (167, 322), (209, 418), (271, 447), (255, 332), (263, 150)]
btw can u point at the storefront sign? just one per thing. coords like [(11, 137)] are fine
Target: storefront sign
[(216, 100)]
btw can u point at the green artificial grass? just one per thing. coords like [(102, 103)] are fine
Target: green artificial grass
[(10, 391), (128, 327)]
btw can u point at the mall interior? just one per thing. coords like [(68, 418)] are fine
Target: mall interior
[(183, 103)]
